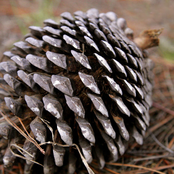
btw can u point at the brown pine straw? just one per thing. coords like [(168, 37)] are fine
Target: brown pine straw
[(135, 166), (157, 105), (155, 127), (21, 132), (2, 169), (94, 170), (15, 169), (171, 143), (145, 171), (111, 171)]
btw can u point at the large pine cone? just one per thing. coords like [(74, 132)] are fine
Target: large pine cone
[(84, 80)]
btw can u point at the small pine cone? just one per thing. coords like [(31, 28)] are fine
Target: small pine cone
[(81, 82)]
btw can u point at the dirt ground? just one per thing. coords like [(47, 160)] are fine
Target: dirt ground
[(17, 15)]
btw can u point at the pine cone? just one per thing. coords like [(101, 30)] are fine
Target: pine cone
[(79, 82)]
